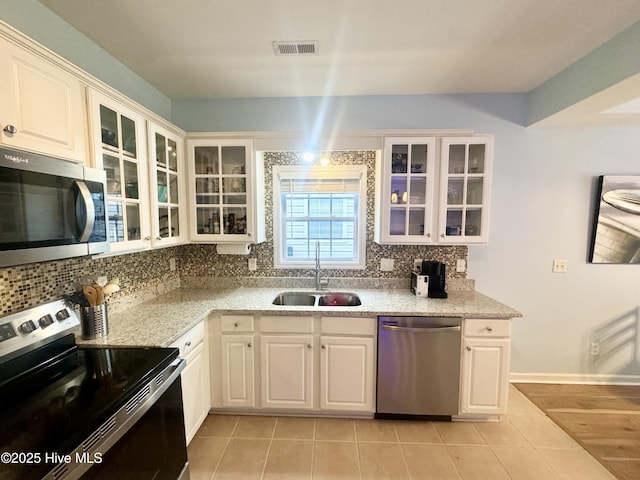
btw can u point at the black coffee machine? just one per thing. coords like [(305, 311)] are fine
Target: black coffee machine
[(436, 271)]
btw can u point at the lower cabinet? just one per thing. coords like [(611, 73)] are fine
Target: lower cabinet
[(237, 370), (347, 373), (484, 382), (194, 378), (287, 371)]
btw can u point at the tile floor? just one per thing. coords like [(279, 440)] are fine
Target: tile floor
[(525, 445)]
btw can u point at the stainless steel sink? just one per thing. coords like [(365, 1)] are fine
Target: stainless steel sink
[(295, 298), (339, 300), (328, 299)]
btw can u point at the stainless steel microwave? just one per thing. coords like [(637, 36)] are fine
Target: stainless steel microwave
[(49, 209)]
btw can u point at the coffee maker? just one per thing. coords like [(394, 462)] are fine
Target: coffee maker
[(431, 275)]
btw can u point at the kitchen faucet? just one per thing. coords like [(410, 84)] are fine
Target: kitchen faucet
[(320, 283)]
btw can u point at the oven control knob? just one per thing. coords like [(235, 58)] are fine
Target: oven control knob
[(62, 315), (27, 327), (46, 321)]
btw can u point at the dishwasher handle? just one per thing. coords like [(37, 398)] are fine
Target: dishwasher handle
[(395, 328)]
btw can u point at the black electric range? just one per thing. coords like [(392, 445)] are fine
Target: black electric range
[(73, 412)]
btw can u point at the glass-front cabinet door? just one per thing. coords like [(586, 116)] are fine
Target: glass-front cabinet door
[(221, 190), (168, 197), (407, 191), (465, 189), (120, 150)]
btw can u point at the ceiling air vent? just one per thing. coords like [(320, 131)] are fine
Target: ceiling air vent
[(303, 47)]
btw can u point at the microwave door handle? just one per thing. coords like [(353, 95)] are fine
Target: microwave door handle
[(85, 226)]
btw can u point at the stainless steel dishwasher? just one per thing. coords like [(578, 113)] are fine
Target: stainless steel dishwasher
[(418, 366)]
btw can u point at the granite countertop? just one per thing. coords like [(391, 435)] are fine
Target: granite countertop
[(160, 322)]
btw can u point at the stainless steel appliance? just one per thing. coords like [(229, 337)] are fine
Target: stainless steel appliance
[(418, 366), (86, 413), (431, 276), (51, 209)]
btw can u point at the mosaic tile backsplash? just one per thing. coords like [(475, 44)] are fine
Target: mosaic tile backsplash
[(146, 274)]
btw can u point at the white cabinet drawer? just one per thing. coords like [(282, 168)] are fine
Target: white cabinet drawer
[(487, 327), (286, 324), (237, 323), (190, 340), (348, 325)]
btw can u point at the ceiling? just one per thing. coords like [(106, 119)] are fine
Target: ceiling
[(223, 48)]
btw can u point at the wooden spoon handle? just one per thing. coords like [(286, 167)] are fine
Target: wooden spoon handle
[(91, 295)]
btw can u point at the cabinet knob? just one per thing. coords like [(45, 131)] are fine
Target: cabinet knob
[(235, 324), (468, 349), (443, 235), (323, 346), (309, 346), (147, 239), (489, 329), (158, 239), (249, 344), (10, 130), (187, 345), (248, 234), (428, 235)]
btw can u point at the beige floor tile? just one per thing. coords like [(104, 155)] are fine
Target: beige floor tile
[(335, 429), (519, 404), (295, 428), (540, 431), (475, 462), (289, 460), (382, 461), (500, 433), (459, 433), (429, 462), (204, 454), (375, 431), (524, 463), (574, 464), (250, 426), (243, 459), (417, 432), (336, 460), (218, 426)]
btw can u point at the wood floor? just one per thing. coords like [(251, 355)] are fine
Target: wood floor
[(604, 419)]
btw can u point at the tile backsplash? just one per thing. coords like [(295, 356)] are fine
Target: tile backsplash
[(146, 274)]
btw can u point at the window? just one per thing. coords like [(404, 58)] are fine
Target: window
[(324, 205)]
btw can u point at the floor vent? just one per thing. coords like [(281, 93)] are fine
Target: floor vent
[(302, 47)]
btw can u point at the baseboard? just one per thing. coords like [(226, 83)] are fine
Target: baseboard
[(593, 379)]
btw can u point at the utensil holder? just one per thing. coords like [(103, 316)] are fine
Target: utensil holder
[(94, 321)]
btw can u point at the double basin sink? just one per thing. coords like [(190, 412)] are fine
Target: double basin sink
[(318, 299)]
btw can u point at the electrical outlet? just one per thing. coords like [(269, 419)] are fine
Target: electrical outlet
[(417, 264), (559, 266), (461, 265), (595, 349), (253, 264), (386, 265)]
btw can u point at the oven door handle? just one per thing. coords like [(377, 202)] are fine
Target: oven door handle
[(85, 211), (394, 328)]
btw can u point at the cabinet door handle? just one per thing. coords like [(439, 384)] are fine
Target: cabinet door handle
[(323, 346), (249, 344), (309, 346), (468, 349), (10, 130), (489, 329), (235, 324)]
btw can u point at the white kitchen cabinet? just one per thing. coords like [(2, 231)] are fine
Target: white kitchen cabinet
[(465, 189), (407, 196), (347, 373), (42, 107), (167, 173), (119, 142), (225, 205), (484, 378), (237, 347), (287, 371), (194, 378)]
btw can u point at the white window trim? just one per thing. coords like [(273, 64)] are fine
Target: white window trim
[(285, 172)]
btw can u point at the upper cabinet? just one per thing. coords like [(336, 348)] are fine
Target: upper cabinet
[(406, 191), (223, 196), (41, 105), (465, 181), (428, 197), (119, 142), (167, 186)]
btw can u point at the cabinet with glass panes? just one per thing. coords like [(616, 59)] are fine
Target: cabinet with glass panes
[(120, 150), (407, 191), (222, 191), (465, 180), (168, 196)]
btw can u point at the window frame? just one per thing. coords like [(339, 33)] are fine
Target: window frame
[(295, 172)]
